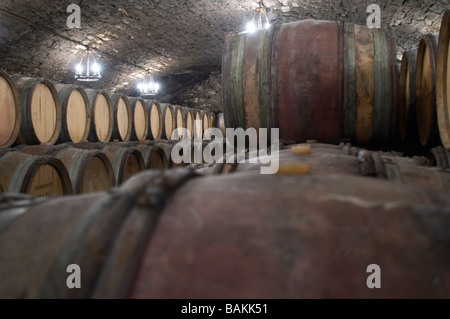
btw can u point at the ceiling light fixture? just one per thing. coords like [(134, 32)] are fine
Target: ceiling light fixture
[(148, 87), (87, 69), (260, 12)]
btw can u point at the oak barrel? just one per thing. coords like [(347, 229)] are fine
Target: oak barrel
[(76, 113), (101, 116), (169, 120), (407, 122), (141, 119), (189, 116), (41, 111), (312, 239), (311, 79), (90, 171), (426, 91), (205, 122), (443, 81), (156, 120), (122, 115), (198, 125), (180, 121), (10, 111), (34, 175), (126, 162)]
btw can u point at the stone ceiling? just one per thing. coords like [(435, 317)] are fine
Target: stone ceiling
[(179, 42)]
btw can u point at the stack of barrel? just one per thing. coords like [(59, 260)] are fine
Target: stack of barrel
[(38, 114), (333, 81)]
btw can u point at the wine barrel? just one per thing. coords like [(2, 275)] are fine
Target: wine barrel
[(76, 113), (205, 123), (34, 175), (10, 111), (90, 171), (198, 125), (301, 237), (101, 116), (212, 119), (407, 123), (167, 147), (180, 121), (126, 162), (41, 111), (221, 123), (123, 120), (318, 80), (169, 120), (141, 119), (156, 120), (426, 91), (443, 81), (189, 116)]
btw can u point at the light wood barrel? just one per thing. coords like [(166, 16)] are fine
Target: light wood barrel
[(11, 114), (90, 171), (141, 118), (205, 122), (443, 81), (34, 175), (169, 120), (76, 113), (156, 120), (407, 122), (123, 119), (426, 91), (101, 116), (313, 79), (189, 116), (181, 121), (198, 129), (41, 111)]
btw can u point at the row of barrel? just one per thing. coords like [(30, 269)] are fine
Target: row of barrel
[(331, 81), (36, 111), (135, 241), (79, 168)]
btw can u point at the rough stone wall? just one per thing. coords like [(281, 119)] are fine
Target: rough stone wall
[(206, 95)]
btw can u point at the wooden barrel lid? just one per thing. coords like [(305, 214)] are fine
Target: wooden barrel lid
[(426, 89), (140, 119), (156, 124), (41, 111), (35, 175), (76, 114), (443, 81), (101, 116), (189, 121), (122, 117), (169, 120), (198, 133), (9, 110)]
